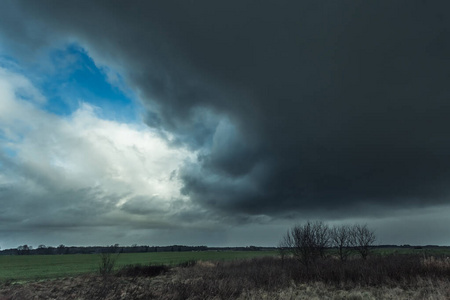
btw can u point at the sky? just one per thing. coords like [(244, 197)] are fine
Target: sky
[(222, 123)]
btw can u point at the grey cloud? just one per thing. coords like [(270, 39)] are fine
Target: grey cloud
[(334, 104), (24, 208), (142, 205)]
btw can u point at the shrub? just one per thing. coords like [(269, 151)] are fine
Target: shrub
[(188, 264), (363, 238), (342, 239), (107, 263), (307, 242), (142, 271)]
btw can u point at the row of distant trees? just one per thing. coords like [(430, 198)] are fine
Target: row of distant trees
[(62, 249), (41, 249), (308, 242)]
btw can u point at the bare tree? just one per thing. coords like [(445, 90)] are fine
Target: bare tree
[(362, 238), (283, 250), (321, 237), (341, 239), (307, 242)]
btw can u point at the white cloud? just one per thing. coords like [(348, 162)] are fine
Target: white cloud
[(71, 167)]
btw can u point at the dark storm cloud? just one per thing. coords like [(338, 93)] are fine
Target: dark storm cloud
[(72, 209), (294, 105)]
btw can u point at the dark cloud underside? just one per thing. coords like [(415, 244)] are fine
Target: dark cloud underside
[(294, 105)]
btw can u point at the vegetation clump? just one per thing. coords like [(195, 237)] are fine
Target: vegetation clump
[(309, 241), (107, 263), (142, 270)]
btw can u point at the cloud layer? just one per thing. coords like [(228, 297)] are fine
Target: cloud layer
[(80, 170), (295, 108)]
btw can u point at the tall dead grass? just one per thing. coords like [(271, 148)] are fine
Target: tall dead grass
[(271, 276)]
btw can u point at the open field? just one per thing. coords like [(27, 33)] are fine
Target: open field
[(389, 273), (379, 277), (426, 251), (30, 267)]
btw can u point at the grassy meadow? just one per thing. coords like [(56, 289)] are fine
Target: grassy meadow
[(31, 267), (427, 251), (395, 276)]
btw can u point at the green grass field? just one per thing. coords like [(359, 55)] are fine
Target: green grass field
[(32, 267), (439, 251)]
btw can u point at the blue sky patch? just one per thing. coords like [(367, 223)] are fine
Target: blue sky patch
[(69, 76)]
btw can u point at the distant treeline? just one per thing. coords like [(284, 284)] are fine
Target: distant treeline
[(62, 249)]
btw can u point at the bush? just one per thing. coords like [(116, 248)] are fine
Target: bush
[(187, 264), (107, 263), (142, 271), (307, 242), (363, 238)]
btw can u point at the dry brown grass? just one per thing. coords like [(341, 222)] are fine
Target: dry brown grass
[(442, 262), (432, 290)]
